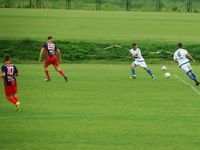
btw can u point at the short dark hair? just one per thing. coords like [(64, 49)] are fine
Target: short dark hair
[(180, 45), (134, 44), (7, 57), (50, 37)]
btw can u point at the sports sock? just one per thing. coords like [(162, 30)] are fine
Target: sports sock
[(47, 74), (133, 72), (61, 72), (192, 77), (149, 72), (16, 98), (12, 100)]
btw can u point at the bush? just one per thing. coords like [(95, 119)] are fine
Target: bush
[(27, 50)]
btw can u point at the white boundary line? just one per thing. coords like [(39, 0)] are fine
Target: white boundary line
[(186, 83)]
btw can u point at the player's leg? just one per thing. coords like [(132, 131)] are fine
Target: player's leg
[(16, 98), (144, 66), (8, 92), (60, 72), (17, 102), (12, 99), (47, 73), (133, 66), (192, 76), (188, 70)]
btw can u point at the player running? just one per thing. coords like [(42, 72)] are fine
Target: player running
[(139, 61), (181, 56), (51, 51), (9, 71)]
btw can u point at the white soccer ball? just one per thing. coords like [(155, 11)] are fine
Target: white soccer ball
[(164, 68), (167, 75)]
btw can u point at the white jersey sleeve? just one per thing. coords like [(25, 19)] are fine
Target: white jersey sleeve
[(136, 54), (181, 56)]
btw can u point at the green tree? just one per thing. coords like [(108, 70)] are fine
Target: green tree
[(30, 3), (7, 4), (189, 5), (128, 5), (98, 4), (39, 3), (68, 4), (158, 5)]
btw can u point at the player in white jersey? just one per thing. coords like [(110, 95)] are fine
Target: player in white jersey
[(182, 57), (138, 61)]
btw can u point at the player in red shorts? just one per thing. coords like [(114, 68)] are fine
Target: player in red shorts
[(9, 71), (51, 51)]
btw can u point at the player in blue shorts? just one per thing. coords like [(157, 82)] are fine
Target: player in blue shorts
[(138, 61)]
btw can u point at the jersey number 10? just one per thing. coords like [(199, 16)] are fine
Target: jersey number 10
[(10, 70)]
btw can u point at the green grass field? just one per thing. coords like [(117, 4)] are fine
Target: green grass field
[(99, 26), (100, 108)]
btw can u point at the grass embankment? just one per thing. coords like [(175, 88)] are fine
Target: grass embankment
[(100, 108), (152, 31), (28, 51)]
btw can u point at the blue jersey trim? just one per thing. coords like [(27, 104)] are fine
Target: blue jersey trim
[(140, 61), (184, 64)]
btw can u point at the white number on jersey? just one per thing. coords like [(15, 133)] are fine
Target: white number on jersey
[(10, 71)]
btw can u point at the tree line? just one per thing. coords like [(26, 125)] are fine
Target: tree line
[(128, 4)]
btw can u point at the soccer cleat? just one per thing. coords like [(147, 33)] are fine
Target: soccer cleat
[(132, 77), (46, 80), (197, 83), (66, 79), (153, 77), (17, 106)]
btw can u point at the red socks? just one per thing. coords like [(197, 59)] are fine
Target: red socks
[(13, 100), (47, 74), (62, 73)]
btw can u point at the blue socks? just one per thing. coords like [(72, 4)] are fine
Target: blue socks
[(149, 72), (192, 76), (133, 72)]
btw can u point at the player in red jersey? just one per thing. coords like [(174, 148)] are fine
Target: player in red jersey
[(9, 72), (51, 51)]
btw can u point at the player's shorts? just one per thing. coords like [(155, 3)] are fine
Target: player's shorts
[(186, 67), (52, 61), (10, 90), (140, 63)]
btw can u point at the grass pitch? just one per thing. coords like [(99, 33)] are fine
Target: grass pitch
[(99, 26), (100, 108)]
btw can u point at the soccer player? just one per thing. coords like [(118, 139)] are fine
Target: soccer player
[(181, 56), (9, 71), (139, 61), (51, 51)]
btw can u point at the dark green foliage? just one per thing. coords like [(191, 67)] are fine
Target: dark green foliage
[(134, 5), (27, 50)]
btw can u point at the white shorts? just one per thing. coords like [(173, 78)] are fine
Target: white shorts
[(140, 63), (186, 68)]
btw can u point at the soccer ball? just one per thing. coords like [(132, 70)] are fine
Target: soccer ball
[(167, 75), (164, 68)]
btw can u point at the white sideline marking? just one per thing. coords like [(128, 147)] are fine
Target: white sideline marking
[(186, 83)]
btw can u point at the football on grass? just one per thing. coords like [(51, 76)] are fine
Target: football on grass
[(167, 75), (164, 68)]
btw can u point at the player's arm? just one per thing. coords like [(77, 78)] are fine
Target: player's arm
[(40, 56), (190, 57), (59, 54), (3, 75), (175, 60), (16, 71)]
